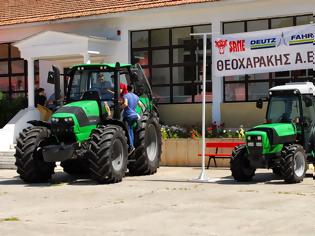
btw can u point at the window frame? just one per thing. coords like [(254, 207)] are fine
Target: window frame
[(10, 59), (191, 64)]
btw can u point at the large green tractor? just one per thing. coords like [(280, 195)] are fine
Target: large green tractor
[(85, 138), (286, 142)]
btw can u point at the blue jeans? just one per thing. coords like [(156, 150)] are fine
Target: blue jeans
[(131, 121)]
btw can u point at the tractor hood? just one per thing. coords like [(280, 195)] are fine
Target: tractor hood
[(77, 117), (277, 133), (269, 138), (84, 113)]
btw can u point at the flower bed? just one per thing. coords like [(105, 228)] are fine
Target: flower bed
[(184, 151), (181, 145)]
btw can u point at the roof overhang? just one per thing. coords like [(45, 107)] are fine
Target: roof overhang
[(59, 45), (302, 87)]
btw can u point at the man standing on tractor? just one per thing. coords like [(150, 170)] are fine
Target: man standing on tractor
[(130, 115)]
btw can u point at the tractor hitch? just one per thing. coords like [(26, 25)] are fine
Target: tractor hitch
[(62, 152)]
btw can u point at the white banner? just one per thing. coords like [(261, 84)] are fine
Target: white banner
[(274, 50)]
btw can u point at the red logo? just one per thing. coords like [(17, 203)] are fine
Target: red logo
[(221, 44), (237, 46)]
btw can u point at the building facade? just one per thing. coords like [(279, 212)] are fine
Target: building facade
[(159, 39)]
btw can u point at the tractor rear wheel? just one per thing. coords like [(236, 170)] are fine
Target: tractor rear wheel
[(108, 154), (75, 167), (29, 158), (294, 163), (240, 166), (148, 144)]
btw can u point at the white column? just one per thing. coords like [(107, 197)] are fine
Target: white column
[(217, 83), (86, 58), (30, 83)]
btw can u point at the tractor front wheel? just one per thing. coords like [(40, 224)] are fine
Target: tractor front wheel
[(277, 171), (294, 163), (240, 166), (29, 158), (108, 154)]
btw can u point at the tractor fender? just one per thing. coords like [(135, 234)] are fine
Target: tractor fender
[(156, 110), (40, 123)]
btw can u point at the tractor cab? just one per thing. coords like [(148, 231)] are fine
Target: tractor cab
[(293, 104), (103, 83)]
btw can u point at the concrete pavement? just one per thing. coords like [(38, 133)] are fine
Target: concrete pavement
[(166, 203)]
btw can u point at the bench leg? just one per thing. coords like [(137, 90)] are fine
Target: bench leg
[(215, 162), (209, 160)]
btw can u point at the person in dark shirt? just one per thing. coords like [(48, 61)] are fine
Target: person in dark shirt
[(130, 102), (40, 97)]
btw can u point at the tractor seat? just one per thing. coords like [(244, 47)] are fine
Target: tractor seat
[(94, 96), (91, 95)]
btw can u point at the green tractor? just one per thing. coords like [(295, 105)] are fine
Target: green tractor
[(286, 142), (85, 137)]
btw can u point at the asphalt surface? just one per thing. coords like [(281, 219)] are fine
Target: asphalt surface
[(167, 203)]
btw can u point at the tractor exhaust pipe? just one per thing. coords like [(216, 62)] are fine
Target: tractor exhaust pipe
[(116, 115)]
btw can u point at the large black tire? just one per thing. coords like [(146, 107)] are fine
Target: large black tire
[(108, 154), (240, 166), (148, 144), (294, 163), (75, 167), (277, 171), (29, 159)]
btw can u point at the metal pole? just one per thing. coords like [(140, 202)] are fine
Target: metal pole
[(203, 176), (203, 173)]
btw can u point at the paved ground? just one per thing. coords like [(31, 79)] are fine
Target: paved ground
[(163, 204)]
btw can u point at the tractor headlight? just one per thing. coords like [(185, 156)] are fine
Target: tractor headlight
[(54, 120), (258, 138), (250, 144), (68, 120), (259, 144), (248, 138)]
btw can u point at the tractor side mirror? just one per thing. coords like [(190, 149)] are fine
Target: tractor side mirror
[(308, 102), (51, 77), (259, 104)]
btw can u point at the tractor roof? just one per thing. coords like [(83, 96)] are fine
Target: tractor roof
[(303, 87), (111, 65)]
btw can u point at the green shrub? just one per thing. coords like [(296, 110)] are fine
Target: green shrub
[(9, 108)]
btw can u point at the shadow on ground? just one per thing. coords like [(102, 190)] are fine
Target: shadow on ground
[(57, 179), (265, 178)]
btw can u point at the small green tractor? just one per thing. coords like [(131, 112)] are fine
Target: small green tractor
[(85, 138), (286, 142)]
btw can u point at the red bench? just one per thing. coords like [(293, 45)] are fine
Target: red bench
[(217, 145)]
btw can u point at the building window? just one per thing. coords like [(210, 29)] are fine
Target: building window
[(252, 87), (13, 71), (172, 61)]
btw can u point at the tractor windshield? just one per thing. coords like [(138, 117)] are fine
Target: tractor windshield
[(283, 109), (90, 80)]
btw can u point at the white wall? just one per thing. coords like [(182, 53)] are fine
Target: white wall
[(44, 68), (215, 13), (225, 10)]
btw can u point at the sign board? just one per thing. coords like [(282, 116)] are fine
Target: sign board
[(273, 50)]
